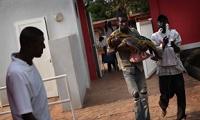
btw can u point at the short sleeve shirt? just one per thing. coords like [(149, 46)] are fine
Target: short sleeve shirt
[(163, 69), (26, 92), (172, 34)]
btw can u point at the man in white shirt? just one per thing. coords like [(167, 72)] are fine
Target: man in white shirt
[(26, 93), (170, 67)]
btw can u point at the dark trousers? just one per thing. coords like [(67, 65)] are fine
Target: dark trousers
[(110, 66), (111, 60), (170, 85)]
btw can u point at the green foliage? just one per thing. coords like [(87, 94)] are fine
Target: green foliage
[(141, 6), (99, 10), (104, 9)]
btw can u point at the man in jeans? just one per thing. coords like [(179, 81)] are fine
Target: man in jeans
[(134, 75)]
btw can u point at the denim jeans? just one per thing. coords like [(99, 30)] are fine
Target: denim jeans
[(136, 84)]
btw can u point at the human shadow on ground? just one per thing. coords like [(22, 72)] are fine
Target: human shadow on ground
[(190, 116)]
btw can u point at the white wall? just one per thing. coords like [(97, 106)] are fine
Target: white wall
[(12, 11), (69, 64), (82, 45), (190, 46), (145, 29)]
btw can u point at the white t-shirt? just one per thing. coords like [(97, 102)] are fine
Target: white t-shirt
[(172, 34), (170, 63), (102, 43), (26, 92)]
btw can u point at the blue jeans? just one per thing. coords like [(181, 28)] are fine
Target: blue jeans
[(136, 84)]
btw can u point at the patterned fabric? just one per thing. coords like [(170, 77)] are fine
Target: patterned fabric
[(168, 70), (125, 54), (130, 43), (170, 64)]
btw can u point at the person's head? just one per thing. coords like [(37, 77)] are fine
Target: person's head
[(32, 42), (123, 24), (109, 25), (132, 23), (162, 21), (106, 25)]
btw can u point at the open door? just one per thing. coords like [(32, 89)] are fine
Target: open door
[(44, 63), (145, 29)]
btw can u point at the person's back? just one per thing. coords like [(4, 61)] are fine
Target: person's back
[(22, 78)]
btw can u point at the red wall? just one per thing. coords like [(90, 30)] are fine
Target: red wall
[(182, 14), (87, 40)]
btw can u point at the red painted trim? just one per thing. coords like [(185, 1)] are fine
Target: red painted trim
[(183, 16), (87, 40), (154, 11)]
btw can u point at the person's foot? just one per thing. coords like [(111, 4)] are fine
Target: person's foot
[(164, 112)]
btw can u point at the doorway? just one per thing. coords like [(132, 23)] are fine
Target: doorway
[(44, 64)]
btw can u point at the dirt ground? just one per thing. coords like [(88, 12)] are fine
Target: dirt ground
[(108, 99)]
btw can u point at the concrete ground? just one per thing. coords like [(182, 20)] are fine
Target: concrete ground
[(108, 99)]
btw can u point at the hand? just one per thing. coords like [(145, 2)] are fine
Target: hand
[(154, 58), (176, 48), (173, 43), (165, 40)]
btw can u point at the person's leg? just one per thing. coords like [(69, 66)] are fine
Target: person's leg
[(109, 67), (114, 66), (164, 86), (116, 62), (130, 77), (141, 82), (179, 88), (112, 55), (171, 89)]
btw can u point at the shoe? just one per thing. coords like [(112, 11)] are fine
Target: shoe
[(164, 112)]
